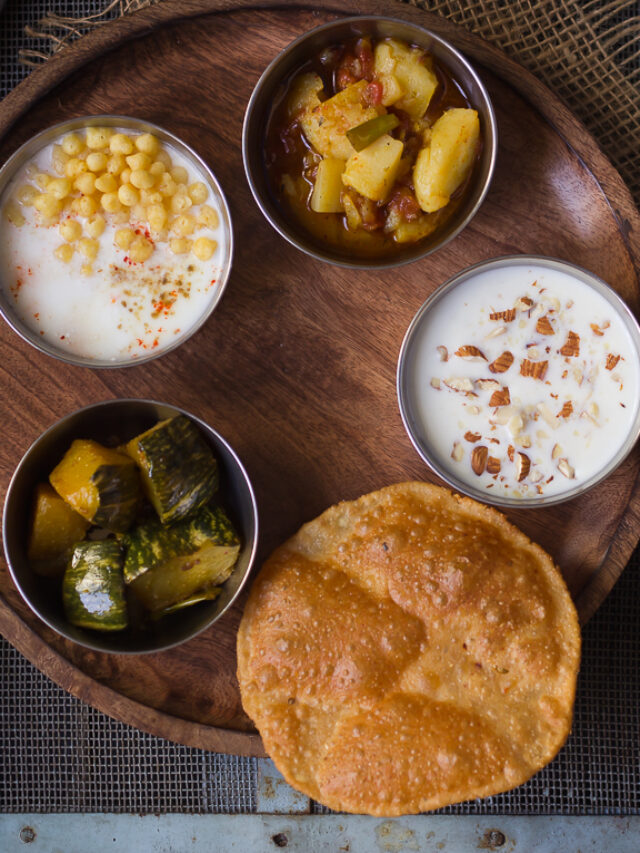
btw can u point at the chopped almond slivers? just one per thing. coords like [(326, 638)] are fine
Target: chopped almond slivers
[(472, 437), (502, 363), (566, 411), (435, 383), (595, 328), (556, 452), (500, 398), (509, 315), (612, 360), (458, 451), (443, 352), (523, 441), (523, 466), (536, 476), (535, 369), (479, 459), (459, 383), (566, 469), (510, 452), (495, 333), (571, 347), (544, 327), (503, 415), (493, 465), (524, 303), (471, 353), (488, 384)]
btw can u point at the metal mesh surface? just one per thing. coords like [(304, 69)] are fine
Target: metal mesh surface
[(58, 754)]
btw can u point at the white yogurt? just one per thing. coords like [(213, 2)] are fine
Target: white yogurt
[(534, 401), (121, 310)]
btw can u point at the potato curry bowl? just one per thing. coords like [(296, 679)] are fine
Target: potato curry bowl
[(369, 142)]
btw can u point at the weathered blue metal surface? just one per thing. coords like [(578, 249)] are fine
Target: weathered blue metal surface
[(275, 796), (179, 833)]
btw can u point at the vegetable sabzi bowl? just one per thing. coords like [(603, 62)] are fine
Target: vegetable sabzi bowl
[(346, 122), (112, 424)]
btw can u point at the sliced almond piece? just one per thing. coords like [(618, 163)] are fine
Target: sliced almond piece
[(524, 303), (508, 315), (535, 369), (457, 452), (495, 333), (523, 466), (493, 465), (514, 425), (571, 347), (595, 328), (612, 360), (578, 375), (510, 452), (548, 415), (566, 469), (535, 476), (443, 352), (500, 398), (470, 353), (501, 417), (435, 383), (544, 327), (488, 384), (459, 383), (479, 459), (502, 363), (474, 410), (566, 411), (523, 441), (556, 452), (472, 436)]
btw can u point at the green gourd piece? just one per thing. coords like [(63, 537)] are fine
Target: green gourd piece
[(54, 529), (93, 587), (101, 484), (179, 471), (205, 595), (166, 565)]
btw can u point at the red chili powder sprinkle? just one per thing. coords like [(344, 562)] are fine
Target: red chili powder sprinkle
[(62, 337)]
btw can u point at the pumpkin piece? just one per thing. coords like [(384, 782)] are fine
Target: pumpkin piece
[(93, 587), (205, 595), (54, 529), (179, 471), (443, 165), (165, 565), (101, 484), (406, 81), (326, 125), (372, 171)]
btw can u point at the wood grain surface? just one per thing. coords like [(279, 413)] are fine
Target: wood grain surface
[(296, 367)]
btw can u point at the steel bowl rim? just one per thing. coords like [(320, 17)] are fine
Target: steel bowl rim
[(373, 264), (34, 144), (208, 429), (596, 283)]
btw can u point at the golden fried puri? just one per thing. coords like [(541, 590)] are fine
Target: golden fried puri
[(408, 650)]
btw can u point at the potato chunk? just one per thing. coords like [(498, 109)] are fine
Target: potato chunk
[(304, 93), (444, 164), (328, 186), (406, 80), (325, 125), (372, 171)]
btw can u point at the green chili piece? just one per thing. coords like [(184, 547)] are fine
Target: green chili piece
[(367, 132)]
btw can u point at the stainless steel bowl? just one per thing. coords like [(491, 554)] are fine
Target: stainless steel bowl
[(109, 422), (407, 370), (31, 148), (272, 85)]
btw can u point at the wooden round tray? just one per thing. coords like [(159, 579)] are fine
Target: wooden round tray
[(296, 367)]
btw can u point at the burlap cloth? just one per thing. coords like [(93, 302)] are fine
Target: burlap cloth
[(586, 52)]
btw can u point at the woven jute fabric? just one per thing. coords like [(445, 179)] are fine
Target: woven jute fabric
[(586, 52)]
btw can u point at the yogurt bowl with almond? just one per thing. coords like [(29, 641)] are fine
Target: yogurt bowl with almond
[(518, 381), (115, 241)]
